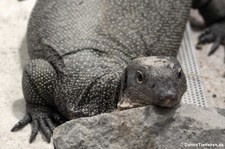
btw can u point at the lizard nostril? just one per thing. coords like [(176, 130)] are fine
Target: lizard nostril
[(153, 86)]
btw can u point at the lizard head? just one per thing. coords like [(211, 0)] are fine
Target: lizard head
[(152, 80)]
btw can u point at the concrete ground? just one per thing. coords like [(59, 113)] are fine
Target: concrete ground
[(14, 16), (212, 71), (13, 23)]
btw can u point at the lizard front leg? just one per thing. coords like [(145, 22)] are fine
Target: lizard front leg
[(39, 81)]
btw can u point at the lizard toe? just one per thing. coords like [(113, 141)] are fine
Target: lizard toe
[(23, 122), (42, 122), (46, 130), (34, 132)]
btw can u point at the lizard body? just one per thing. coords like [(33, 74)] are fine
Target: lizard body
[(90, 56)]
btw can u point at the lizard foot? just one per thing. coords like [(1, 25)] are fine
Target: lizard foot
[(42, 119), (214, 34)]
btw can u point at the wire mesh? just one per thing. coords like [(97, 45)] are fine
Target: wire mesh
[(195, 93)]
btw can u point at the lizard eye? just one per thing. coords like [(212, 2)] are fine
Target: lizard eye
[(179, 73), (140, 77)]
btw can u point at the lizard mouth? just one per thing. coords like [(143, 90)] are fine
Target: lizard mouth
[(139, 100), (126, 104), (167, 103)]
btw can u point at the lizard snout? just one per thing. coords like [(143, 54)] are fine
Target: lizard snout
[(168, 99), (169, 96)]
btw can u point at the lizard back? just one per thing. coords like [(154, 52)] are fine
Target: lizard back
[(126, 28)]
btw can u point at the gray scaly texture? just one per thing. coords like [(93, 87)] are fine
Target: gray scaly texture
[(87, 56)]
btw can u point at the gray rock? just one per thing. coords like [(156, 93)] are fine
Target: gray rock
[(145, 128)]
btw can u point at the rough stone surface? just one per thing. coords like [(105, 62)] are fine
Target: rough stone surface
[(144, 128), (14, 16)]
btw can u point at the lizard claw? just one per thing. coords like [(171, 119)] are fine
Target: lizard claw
[(26, 120), (46, 130), (215, 46), (34, 132), (42, 122)]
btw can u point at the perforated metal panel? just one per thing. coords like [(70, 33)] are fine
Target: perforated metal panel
[(195, 92)]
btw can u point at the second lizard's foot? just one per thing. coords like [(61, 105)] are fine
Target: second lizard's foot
[(214, 34)]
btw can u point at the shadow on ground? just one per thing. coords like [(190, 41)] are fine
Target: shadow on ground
[(23, 52), (19, 108), (19, 105)]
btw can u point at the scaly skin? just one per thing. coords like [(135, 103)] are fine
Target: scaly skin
[(87, 55)]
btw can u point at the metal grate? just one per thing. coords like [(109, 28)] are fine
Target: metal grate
[(195, 92)]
